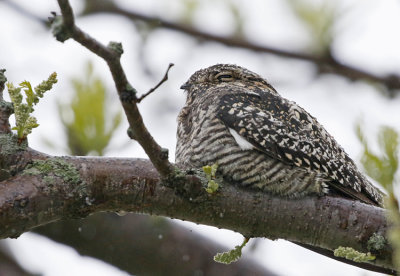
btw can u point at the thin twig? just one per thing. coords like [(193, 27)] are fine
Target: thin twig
[(164, 79)]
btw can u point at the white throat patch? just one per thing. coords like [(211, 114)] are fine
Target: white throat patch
[(243, 143)]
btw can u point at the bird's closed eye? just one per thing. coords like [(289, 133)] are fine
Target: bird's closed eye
[(224, 77)]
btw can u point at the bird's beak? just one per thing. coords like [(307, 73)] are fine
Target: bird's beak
[(185, 86)]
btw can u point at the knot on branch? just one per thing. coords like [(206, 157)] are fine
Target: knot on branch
[(116, 47), (376, 243), (164, 154), (58, 28), (128, 95), (190, 184)]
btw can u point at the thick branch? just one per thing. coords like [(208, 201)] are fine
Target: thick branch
[(127, 93), (110, 184), (325, 64)]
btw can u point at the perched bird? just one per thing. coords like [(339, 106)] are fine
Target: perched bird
[(236, 119)]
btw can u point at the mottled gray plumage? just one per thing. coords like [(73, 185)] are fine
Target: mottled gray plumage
[(235, 118)]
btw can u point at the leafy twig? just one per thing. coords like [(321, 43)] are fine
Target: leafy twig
[(24, 121)]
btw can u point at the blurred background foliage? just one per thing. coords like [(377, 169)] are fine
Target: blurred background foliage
[(88, 120), (319, 20), (382, 166)]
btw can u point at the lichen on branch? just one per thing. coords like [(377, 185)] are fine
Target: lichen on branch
[(24, 122), (353, 255)]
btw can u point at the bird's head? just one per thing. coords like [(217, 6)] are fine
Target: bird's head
[(223, 75)]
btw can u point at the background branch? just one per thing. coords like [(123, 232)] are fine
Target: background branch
[(8, 265), (325, 64), (135, 243)]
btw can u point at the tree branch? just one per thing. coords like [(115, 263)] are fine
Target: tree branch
[(325, 64), (111, 54), (133, 185)]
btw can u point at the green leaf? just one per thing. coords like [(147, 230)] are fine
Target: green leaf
[(214, 168), (212, 187), (30, 95), (319, 19), (232, 255), (46, 85), (207, 170), (381, 166)]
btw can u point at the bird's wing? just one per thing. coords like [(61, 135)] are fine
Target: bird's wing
[(285, 131)]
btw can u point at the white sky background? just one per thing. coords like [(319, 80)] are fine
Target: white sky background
[(367, 37)]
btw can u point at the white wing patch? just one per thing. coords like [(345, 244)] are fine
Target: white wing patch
[(243, 143)]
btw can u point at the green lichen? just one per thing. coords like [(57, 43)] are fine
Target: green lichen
[(3, 78), (7, 107), (232, 255), (24, 121), (353, 255), (376, 242), (116, 47), (9, 144), (130, 90), (212, 185), (60, 32), (53, 168)]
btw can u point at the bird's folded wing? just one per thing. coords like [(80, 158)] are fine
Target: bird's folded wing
[(285, 131)]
